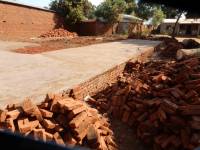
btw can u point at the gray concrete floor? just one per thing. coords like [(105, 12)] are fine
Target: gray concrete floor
[(26, 75)]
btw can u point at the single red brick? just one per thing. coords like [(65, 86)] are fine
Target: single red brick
[(69, 140), (3, 115), (14, 114), (10, 124), (92, 136), (103, 143), (104, 105), (75, 112), (46, 113), (58, 138), (24, 125), (49, 124), (125, 116), (110, 141), (39, 134), (34, 124), (49, 136), (75, 122), (28, 106)]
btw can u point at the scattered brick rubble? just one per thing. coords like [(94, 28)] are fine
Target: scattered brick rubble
[(61, 120), (59, 33), (160, 100), (168, 48)]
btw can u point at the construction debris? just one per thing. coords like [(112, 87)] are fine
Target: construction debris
[(168, 48), (62, 120), (190, 44), (185, 53), (59, 33), (160, 100)]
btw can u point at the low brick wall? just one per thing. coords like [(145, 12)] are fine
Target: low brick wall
[(93, 28), (21, 22), (102, 81)]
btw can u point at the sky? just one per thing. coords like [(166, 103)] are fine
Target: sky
[(43, 3)]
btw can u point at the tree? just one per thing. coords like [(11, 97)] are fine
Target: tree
[(169, 11), (73, 10), (174, 29), (130, 6), (144, 10), (88, 9), (109, 10), (158, 17)]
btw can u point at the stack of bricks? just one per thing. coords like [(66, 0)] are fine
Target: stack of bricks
[(59, 33), (160, 100), (59, 119)]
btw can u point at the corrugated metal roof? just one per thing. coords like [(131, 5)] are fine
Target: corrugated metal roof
[(24, 5), (183, 21), (130, 18)]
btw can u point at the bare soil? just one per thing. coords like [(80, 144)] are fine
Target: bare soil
[(57, 44), (125, 136)]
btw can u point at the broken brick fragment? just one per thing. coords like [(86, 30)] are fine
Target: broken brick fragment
[(3, 114), (58, 139), (46, 113)]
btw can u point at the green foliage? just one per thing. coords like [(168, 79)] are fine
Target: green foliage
[(169, 12), (109, 10), (130, 6), (144, 10), (88, 9), (158, 17), (73, 10)]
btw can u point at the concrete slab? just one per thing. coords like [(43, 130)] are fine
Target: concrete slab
[(26, 75)]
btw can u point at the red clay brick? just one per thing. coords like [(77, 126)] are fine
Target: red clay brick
[(58, 139), (24, 125), (49, 136), (46, 113), (75, 122), (125, 116), (28, 107), (49, 124), (69, 140), (76, 111), (14, 114), (10, 124), (3, 115), (92, 136), (110, 141), (39, 134)]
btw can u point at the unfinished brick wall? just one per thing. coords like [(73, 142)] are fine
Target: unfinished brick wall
[(102, 81), (88, 28), (23, 22)]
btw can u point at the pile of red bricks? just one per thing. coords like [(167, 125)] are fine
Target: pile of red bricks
[(61, 120), (59, 33), (168, 48), (160, 100)]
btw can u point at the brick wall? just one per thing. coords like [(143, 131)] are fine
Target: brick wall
[(23, 22), (102, 81), (93, 27)]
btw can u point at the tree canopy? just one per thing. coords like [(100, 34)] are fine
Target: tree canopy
[(109, 10), (158, 17), (73, 10)]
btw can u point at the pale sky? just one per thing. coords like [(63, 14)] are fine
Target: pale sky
[(42, 3)]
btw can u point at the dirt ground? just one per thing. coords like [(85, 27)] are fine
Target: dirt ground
[(125, 137), (57, 44)]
